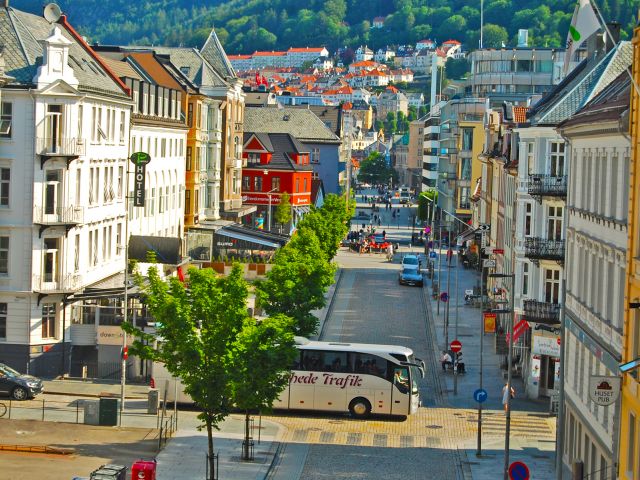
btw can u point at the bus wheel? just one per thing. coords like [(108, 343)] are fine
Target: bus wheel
[(360, 407)]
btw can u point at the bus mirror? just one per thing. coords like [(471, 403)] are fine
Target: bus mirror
[(421, 371)]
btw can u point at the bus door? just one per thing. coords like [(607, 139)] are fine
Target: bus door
[(401, 392)]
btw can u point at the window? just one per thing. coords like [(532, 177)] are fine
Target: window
[(556, 159), (5, 177), (275, 184), (552, 286), (80, 121), (189, 159), (253, 159), (187, 202), (105, 255), (120, 181), (467, 139), (6, 114), (257, 184), (297, 185), (465, 169), (530, 157), (4, 255), (527, 219), (315, 155), (118, 238), (122, 126), (306, 189), (525, 279), (631, 447), (94, 124), (190, 115), (76, 258), (48, 320), (246, 182), (3, 320), (554, 223)]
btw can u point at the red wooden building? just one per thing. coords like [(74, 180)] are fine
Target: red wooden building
[(276, 163)]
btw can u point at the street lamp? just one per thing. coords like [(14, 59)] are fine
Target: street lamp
[(269, 211), (509, 311)]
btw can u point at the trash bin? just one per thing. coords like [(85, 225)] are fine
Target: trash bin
[(144, 470), (91, 409), (108, 413), (153, 397)]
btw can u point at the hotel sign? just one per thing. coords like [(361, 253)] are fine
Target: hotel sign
[(139, 160)]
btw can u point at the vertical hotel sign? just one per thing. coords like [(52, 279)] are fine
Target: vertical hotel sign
[(139, 160)]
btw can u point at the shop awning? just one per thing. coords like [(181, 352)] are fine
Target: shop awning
[(465, 236), (166, 250), (302, 209), (247, 238)]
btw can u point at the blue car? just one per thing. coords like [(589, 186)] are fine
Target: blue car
[(410, 276)]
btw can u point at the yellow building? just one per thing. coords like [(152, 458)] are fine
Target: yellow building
[(630, 416), (470, 146)]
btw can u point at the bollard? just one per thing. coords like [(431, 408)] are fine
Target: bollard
[(43, 409)]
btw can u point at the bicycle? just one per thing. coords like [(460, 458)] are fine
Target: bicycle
[(3, 410)]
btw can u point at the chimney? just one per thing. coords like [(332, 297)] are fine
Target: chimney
[(613, 39)]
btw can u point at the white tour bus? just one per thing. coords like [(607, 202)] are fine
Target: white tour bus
[(359, 378), (353, 377), (405, 195)]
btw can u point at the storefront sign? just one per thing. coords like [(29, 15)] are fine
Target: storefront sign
[(111, 335), (604, 391), (489, 322), (139, 160), (546, 346), (535, 367)]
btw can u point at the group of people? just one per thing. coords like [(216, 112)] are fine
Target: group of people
[(446, 360)]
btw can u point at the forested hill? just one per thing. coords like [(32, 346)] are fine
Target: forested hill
[(244, 26)]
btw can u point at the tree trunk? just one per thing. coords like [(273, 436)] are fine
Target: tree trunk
[(212, 462)]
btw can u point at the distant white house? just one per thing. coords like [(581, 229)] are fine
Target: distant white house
[(425, 45), (363, 53), (378, 22), (383, 55)]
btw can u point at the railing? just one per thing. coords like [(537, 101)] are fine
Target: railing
[(59, 216), (541, 248), (60, 146), (541, 312), (547, 185), (59, 283)]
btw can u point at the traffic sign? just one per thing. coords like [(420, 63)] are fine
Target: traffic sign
[(488, 250), (488, 264), (432, 255), (484, 227), (498, 251), (444, 297), (518, 471), (427, 230), (455, 346), (480, 395)]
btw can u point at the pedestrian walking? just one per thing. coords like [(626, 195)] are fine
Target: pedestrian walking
[(445, 359), (379, 222), (506, 391)]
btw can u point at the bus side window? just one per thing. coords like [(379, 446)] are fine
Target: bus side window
[(335, 361), (297, 362), (312, 361)]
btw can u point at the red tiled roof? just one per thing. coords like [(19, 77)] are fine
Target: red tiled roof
[(268, 54), (520, 114), (239, 57), (451, 42), (306, 49)]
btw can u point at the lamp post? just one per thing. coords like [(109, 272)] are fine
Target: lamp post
[(509, 311), (269, 211)]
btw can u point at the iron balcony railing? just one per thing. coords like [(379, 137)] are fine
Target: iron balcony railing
[(58, 216), (60, 146), (56, 283), (541, 312), (547, 185), (544, 249)]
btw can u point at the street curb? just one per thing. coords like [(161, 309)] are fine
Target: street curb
[(330, 305), (94, 395)]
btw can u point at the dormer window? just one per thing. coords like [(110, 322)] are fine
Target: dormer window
[(185, 70), (253, 159)]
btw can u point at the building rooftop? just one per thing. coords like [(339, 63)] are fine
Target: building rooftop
[(302, 124)]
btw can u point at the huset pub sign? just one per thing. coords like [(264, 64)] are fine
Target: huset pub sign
[(139, 160)]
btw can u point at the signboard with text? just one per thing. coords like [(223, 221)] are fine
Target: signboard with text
[(489, 322), (259, 198), (111, 335), (546, 346), (139, 160), (604, 390)]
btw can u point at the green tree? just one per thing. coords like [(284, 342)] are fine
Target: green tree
[(426, 202), (457, 68), (197, 328), (330, 223), (297, 282), (261, 358), (374, 170), (283, 210), (413, 113), (495, 36)]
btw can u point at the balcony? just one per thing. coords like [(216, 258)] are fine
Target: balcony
[(544, 249), (59, 147), (67, 217), (547, 186), (238, 163), (49, 283), (541, 312)]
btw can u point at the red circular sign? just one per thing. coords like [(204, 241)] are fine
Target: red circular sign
[(455, 346), (518, 471)]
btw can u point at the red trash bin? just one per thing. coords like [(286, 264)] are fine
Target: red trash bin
[(143, 470)]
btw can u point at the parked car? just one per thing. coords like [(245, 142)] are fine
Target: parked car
[(410, 276), (17, 385), (411, 261)]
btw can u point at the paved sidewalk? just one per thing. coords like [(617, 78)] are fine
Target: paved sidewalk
[(465, 325)]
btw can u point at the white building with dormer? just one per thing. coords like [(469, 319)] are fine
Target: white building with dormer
[(63, 163)]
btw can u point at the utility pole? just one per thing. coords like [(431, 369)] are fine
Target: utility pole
[(446, 315), (439, 263), (455, 331), (479, 441)]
